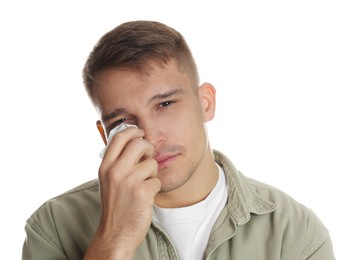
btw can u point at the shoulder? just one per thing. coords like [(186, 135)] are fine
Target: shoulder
[(271, 216), (73, 205), (85, 188), (86, 192), (64, 223), (272, 193), (286, 206), (296, 223)]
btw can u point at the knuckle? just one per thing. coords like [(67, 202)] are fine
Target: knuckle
[(134, 144), (102, 171), (113, 174), (118, 136)]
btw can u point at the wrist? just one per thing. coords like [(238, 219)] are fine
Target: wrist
[(109, 247)]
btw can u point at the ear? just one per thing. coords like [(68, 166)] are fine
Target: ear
[(207, 98), (101, 129)]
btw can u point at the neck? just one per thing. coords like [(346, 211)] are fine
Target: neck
[(196, 189)]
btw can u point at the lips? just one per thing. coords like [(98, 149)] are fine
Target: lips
[(165, 160)]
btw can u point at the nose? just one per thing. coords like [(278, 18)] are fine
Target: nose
[(153, 132)]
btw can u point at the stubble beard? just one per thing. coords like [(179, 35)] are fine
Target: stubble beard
[(174, 179)]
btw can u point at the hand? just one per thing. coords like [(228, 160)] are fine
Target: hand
[(128, 186)]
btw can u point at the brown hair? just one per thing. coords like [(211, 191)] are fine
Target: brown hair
[(134, 46)]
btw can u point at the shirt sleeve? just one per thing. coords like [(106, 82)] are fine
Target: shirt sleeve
[(318, 245), (324, 252)]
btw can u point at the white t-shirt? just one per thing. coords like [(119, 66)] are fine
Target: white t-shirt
[(189, 227)]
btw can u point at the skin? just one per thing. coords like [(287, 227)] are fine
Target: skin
[(167, 160)]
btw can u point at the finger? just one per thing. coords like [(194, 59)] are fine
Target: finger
[(144, 170), (151, 187), (135, 150), (127, 163), (119, 141)]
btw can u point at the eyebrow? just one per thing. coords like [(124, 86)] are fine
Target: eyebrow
[(168, 94), (120, 111)]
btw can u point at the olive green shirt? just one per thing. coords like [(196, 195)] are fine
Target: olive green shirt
[(258, 222)]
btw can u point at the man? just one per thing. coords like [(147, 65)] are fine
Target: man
[(162, 192)]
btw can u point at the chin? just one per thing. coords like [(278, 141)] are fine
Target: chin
[(172, 180)]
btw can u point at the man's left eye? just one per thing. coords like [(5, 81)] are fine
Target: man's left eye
[(165, 104)]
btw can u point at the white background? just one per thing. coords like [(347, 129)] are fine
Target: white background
[(285, 74)]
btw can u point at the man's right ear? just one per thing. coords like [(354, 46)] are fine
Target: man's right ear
[(100, 127)]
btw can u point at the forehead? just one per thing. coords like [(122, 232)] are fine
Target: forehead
[(120, 86)]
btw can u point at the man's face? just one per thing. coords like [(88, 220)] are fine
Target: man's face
[(169, 109)]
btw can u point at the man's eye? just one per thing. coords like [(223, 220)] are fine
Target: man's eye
[(118, 122), (165, 103)]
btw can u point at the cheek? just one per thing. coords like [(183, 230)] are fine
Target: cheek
[(187, 131), (183, 125)]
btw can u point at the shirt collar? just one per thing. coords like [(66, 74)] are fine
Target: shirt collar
[(242, 200)]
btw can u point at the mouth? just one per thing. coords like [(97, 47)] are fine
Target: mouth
[(165, 160)]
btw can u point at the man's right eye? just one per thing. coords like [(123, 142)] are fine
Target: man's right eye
[(119, 122), (116, 123)]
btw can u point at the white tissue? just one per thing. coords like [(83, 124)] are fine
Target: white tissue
[(111, 135)]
